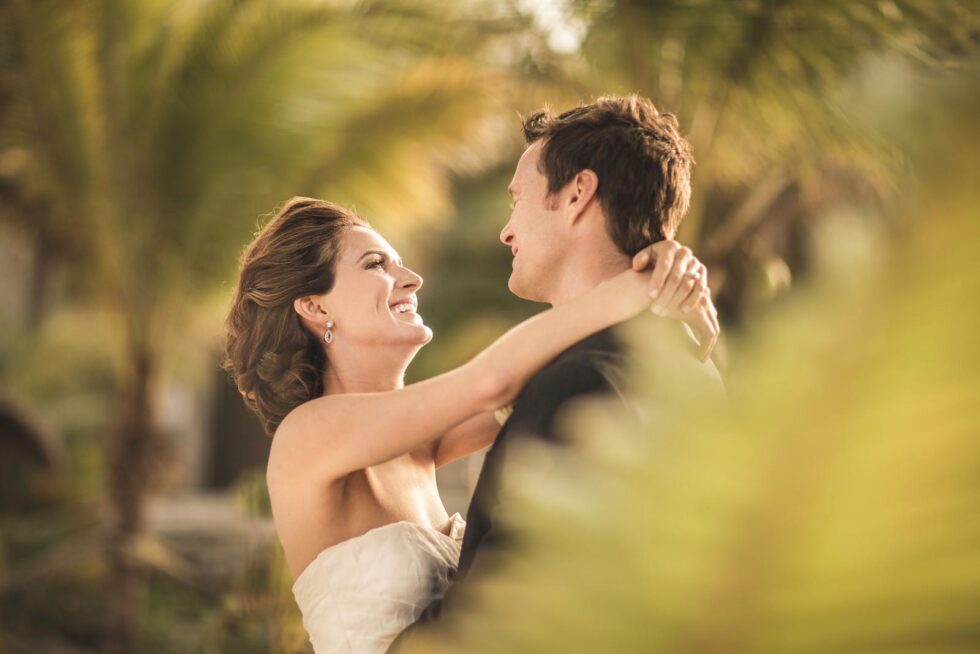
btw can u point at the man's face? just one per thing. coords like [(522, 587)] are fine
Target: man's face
[(534, 232)]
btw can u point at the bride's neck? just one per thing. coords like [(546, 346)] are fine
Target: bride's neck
[(347, 372)]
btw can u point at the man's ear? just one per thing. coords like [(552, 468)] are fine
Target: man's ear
[(580, 192)]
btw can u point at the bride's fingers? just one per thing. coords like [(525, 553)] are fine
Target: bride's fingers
[(707, 331), (642, 259), (688, 290), (699, 290), (672, 282), (661, 270), (701, 326)]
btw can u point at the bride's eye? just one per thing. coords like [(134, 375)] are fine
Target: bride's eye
[(380, 263)]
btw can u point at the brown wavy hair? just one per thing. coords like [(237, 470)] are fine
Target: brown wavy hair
[(637, 152), (275, 361)]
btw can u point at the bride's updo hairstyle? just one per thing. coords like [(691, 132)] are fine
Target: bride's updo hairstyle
[(275, 361)]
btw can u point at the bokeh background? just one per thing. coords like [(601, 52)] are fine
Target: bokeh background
[(835, 508)]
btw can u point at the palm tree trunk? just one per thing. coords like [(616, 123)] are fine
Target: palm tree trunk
[(128, 468), (37, 297)]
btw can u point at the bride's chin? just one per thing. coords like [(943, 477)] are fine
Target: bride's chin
[(421, 334), (425, 335)]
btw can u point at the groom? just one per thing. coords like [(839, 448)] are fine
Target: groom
[(594, 187)]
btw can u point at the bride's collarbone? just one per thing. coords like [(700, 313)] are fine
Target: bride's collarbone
[(344, 506)]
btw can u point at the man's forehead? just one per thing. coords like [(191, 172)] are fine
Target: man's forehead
[(530, 154), (526, 164)]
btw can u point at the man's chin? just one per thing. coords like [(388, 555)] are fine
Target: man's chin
[(514, 286), (522, 291)]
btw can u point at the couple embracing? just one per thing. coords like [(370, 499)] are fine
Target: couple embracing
[(325, 322)]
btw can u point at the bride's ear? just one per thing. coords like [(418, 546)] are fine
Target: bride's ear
[(310, 310)]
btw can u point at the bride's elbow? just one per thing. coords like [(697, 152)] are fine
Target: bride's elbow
[(495, 389)]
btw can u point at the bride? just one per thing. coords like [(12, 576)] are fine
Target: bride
[(323, 325)]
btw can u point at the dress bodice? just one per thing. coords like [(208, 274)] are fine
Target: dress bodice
[(358, 595)]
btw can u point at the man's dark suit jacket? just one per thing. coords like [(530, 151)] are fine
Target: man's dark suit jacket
[(594, 365)]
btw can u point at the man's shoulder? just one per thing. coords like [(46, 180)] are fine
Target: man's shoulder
[(594, 365), (602, 353), (595, 351), (606, 341)]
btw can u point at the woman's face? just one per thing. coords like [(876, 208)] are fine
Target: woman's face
[(373, 300)]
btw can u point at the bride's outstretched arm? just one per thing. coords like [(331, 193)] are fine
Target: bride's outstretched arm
[(342, 433), (681, 298)]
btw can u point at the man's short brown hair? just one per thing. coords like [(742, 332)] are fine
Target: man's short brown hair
[(642, 162)]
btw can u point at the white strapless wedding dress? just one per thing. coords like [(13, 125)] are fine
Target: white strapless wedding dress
[(358, 595)]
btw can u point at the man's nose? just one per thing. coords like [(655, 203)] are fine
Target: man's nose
[(506, 235)]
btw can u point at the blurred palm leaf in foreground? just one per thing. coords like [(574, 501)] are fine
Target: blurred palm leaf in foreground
[(836, 508)]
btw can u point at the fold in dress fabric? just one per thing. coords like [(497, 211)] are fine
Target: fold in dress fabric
[(358, 595)]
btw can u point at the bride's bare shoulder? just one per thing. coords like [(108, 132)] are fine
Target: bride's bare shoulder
[(298, 442)]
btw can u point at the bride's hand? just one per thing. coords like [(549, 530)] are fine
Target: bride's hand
[(679, 289)]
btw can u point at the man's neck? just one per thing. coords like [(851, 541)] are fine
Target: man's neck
[(581, 277)]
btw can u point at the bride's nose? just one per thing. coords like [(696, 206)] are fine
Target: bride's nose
[(411, 279)]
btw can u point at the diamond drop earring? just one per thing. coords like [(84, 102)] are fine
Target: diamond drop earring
[(328, 335)]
